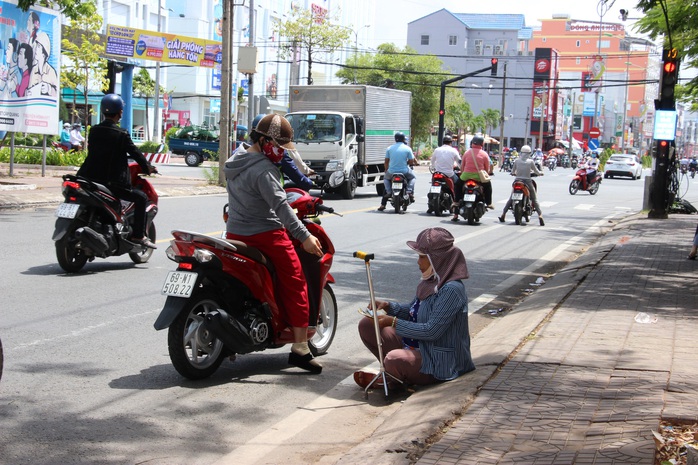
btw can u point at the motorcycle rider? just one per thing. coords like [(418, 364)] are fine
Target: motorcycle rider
[(109, 147), (260, 216), (693, 164), (444, 158), (76, 138), (398, 159), (592, 166), (470, 170), (523, 167)]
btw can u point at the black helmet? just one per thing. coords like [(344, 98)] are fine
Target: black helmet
[(447, 139), (477, 140), (112, 104), (399, 137)]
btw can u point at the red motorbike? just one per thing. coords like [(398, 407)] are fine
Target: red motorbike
[(221, 300), (94, 223), (521, 203), (473, 205), (580, 182)]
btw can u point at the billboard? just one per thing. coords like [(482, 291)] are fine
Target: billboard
[(129, 42), (30, 43)]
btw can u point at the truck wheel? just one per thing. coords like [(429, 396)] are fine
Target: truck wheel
[(380, 189), (348, 188), (192, 159)]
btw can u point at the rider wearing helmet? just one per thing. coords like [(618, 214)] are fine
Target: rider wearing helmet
[(445, 158), (398, 159), (260, 216), (65, 137), (470, 170), (592, 166), (290, 167), (522, 169), (109, 147), (76, 138)]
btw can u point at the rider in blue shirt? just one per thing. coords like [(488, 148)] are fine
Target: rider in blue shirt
[(398, 159)]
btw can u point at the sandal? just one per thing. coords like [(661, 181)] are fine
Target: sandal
[(364, 378)]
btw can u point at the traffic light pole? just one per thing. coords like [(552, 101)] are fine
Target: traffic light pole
[(442, 101)]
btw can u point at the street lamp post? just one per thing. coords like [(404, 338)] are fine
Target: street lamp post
[(602, 8), (356, 46), (625, 103)]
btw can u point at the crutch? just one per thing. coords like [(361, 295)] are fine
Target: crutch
[(381, 374)]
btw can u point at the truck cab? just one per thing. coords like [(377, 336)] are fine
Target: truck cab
[(329, 143)]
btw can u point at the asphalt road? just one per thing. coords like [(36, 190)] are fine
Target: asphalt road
[(88, 380)]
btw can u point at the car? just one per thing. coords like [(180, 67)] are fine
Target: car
[(623, 164)]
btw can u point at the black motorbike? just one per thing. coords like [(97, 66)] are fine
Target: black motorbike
[(93, 223), (440, 196), (565, 161), (473, 205), (574, 162), (692, 169), (400, 199), (507, 164)]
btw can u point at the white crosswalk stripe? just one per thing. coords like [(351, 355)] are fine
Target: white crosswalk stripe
[(584, 206)]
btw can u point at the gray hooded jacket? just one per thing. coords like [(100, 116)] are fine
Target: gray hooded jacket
[(257, 201)]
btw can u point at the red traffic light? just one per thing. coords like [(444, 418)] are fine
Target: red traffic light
[(663, 143), (494, 61), (493, 67), (441, 112), (669, 66)]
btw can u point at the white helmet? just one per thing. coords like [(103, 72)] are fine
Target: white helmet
[(526, 149)]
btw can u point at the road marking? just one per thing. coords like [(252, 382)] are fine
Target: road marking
[(584, 206), (548, 204), (484, 299)]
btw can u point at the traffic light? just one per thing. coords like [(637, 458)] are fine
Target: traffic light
[(442, 112), (669, 78), (493, 68), (113, 67)]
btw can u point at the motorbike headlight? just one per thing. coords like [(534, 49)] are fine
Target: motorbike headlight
[(335, 165)]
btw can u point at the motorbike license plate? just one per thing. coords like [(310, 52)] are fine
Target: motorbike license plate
[(179, 284), (435, 190), (517, 196), (397, 186), (469, 197), (67, 210)]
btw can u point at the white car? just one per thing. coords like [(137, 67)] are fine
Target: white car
[(623, 164)]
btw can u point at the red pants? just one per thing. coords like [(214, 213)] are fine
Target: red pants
[(291, 288)]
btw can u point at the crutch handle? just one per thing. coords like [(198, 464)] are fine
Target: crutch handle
[(364, 256)]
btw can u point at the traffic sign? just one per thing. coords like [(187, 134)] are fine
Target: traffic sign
[(593, 143), (594, 133)]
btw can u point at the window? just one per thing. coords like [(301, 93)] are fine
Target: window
[(478, 47), (452, 40), (579, 42), (545, 39), (578, 60), (425, 40)]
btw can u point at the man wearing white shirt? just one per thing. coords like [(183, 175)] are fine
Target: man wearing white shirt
[(445, 158)]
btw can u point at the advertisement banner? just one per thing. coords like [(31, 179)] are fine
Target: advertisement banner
[(30, 43), (543, 65), (128, 42)]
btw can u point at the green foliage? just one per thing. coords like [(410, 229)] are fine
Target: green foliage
[(54, 156), (311, 34), (213, 156), (71, 8), (211, 174), (150, 146), (170, 133), (404, 70), (681, 21)]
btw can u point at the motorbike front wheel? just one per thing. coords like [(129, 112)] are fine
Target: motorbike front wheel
[(195, 352), (327, 323), (144, 253), (69, 257), (594, 188), (470, 216), (574, 186)]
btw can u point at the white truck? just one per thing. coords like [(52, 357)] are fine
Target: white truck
[(343, 131)]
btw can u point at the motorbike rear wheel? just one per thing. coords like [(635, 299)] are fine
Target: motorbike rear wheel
[(574, 186), (69, 257), (518, 213), (194, 351), (144, 253), (326, 326)]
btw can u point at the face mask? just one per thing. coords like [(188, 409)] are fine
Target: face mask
[(273, 153), (428, 273)]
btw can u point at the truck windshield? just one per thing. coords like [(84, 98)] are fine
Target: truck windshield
[(316, 127)]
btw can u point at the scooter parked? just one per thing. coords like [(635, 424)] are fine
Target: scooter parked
[(221, 299)]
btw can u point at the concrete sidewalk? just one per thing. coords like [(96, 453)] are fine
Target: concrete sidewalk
[(571, 375), (28, 188)]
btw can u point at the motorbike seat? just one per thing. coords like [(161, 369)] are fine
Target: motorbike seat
[(252, 253)]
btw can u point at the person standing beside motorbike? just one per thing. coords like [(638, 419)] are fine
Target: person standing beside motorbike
[(109, 147), (260, 216), (474, 160), (426, 341), (523, 167), (398, 159)]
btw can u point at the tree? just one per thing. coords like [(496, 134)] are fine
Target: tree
[(144, 86), (491, 117), (312, 33), (404, 70), (458, 112), (677, 21), (84, 48), (70, 8)]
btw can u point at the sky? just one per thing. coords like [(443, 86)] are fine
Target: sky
[(392, 16)]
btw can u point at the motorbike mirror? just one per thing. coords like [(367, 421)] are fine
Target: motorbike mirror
[(161, 147)]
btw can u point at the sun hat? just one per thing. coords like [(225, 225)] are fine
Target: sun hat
[(277, 128)]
